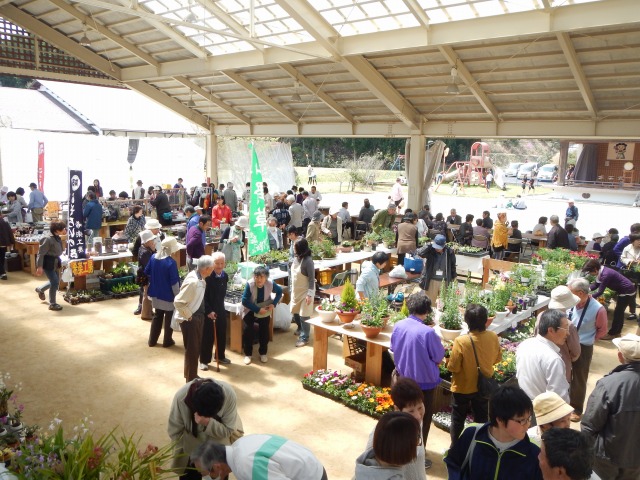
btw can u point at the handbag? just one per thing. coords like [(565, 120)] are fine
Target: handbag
[(486, 386)]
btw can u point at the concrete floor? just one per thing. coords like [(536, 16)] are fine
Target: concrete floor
[(93, 359)]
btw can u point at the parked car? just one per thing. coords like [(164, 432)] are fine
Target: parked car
[(526, 169), (512, 169), (547, 172)]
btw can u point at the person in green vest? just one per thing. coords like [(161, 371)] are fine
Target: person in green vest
[(384, 218)]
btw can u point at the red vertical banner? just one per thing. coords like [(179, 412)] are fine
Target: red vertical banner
[(41, 166)]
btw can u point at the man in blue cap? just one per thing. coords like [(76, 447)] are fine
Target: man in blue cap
[(440, 266)]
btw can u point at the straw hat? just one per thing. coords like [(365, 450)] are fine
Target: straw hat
[(549, 407), (562, 298), (152, 223), (146, 235)]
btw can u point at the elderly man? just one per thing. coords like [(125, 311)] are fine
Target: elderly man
[(258, 457), (190, 307), (557, 236), (590, 319), (37, 202), (201, 411), (315, 194), (613, 415), (215, 315), (571, 215), (309, 207), (347, 223), (384, 218), (539, 365), (454, 218), (295, 212), (396, 192)]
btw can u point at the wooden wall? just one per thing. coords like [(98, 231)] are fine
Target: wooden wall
[(615, 167)]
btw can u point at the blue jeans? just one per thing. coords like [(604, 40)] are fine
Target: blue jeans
[(52, 285), (305, 329)]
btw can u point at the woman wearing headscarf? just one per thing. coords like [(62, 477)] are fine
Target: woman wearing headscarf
[(164, 285), (313, 230), (233, 239), (332, 226), (146, 250)]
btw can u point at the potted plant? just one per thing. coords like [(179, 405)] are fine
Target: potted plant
[(329, 250), (327, 311), (357, 246), (5, 394), (388, 237), (370, 323), (347, 307), (451, 318), (346, 246), (400, 314), (370, 239)]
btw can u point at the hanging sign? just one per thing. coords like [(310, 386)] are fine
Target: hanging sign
[(41, 166)]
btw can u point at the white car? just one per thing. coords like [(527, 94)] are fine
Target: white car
[(526, 169), (547, 172), (512, 169)]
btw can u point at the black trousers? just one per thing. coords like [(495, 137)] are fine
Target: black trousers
[(428, 413), (622, 303), (3, 253), (461, 403), (580, 374), (220, 325), (162, 318), (248, 334), (305, 224), (192, 339)]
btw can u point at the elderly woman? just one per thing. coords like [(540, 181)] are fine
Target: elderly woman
[(303, 289), (480, 350), (13, 209), (160, 200), (500, 237), (146, 250), (274, 234), (608, 278), (407, 236), (332, 226), (257, 307), (164, 285), (438, 225), (233, 239), (48, 261), (135, 224), (313, 230), (631, 253)]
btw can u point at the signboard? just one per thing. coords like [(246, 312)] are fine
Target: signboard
[(258, 239), (75, 224), (621, 151), (41, 166), (81, 268)]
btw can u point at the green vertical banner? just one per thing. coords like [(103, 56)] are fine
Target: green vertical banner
[(258, 239)]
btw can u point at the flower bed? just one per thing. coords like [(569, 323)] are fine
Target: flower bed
[(370, 399)]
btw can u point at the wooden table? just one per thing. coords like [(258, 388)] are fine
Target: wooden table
[(375, 346), (31, 249), (542, 240), (385, 282)]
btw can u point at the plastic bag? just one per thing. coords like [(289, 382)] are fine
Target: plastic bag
[(282, 316), (398, 272)]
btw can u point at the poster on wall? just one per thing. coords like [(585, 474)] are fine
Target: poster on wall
[(621, 151), (75, 223)]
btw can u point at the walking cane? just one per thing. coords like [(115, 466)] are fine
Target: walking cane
[(215, 343)]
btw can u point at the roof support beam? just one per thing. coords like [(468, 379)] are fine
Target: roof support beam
[(213, 99), (261, 95), (61, 41), (578, 74), (171, 103), (418, 12), (45, 75), (92, 23), (469, 81), (313, 88), (228, 20)]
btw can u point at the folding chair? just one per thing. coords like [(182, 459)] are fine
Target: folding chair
[(482, 239), (513, 255)]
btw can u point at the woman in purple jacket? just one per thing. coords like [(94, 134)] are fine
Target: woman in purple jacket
[(608, 278)]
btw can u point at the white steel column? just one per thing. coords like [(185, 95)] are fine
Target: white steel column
[(212, 158), (416, 171)]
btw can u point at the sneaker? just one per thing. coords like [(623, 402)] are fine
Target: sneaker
[(576, 417), (263, 358), (170, 344), (632, 316), (41, 295), (610, 336), (204, 366), (55, 307), (3, 276), (301, 343), (427, 464), (225, 361), (247, 360)]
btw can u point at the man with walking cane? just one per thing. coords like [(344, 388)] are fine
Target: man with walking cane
[(215, 322)]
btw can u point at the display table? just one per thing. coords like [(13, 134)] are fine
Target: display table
[(385, 282), (468, 264), (31, 249), (542, 240)]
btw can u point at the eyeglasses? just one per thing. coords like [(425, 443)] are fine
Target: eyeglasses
[(523, 421), (562, 328)]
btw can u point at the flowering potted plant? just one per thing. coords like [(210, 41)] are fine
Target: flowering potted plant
[(375, 314), (347, 307), (5, 394), (327, 311), (346, 246)]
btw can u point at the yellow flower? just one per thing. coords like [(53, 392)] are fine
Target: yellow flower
[(504, 363)]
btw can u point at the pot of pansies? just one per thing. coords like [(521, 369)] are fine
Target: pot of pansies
[(327, 311), (348, 307), (371, 324)]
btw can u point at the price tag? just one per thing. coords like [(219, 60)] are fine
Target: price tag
[(514, 324), (82, 268)]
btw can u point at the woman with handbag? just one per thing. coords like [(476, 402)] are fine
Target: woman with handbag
[(164, 285), (471, 356), (160, 200), (48, 261)]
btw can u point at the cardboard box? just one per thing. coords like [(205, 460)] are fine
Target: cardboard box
[(357, 362)]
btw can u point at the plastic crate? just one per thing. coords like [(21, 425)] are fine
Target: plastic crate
[(107, 284)]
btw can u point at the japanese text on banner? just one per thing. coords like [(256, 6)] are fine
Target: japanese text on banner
[(258, 239)]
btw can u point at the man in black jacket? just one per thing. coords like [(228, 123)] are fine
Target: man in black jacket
[(440, 266), (557, 236), (454, 218), (215, 314)]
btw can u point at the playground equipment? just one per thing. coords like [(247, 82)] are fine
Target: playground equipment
[(472, 172)]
